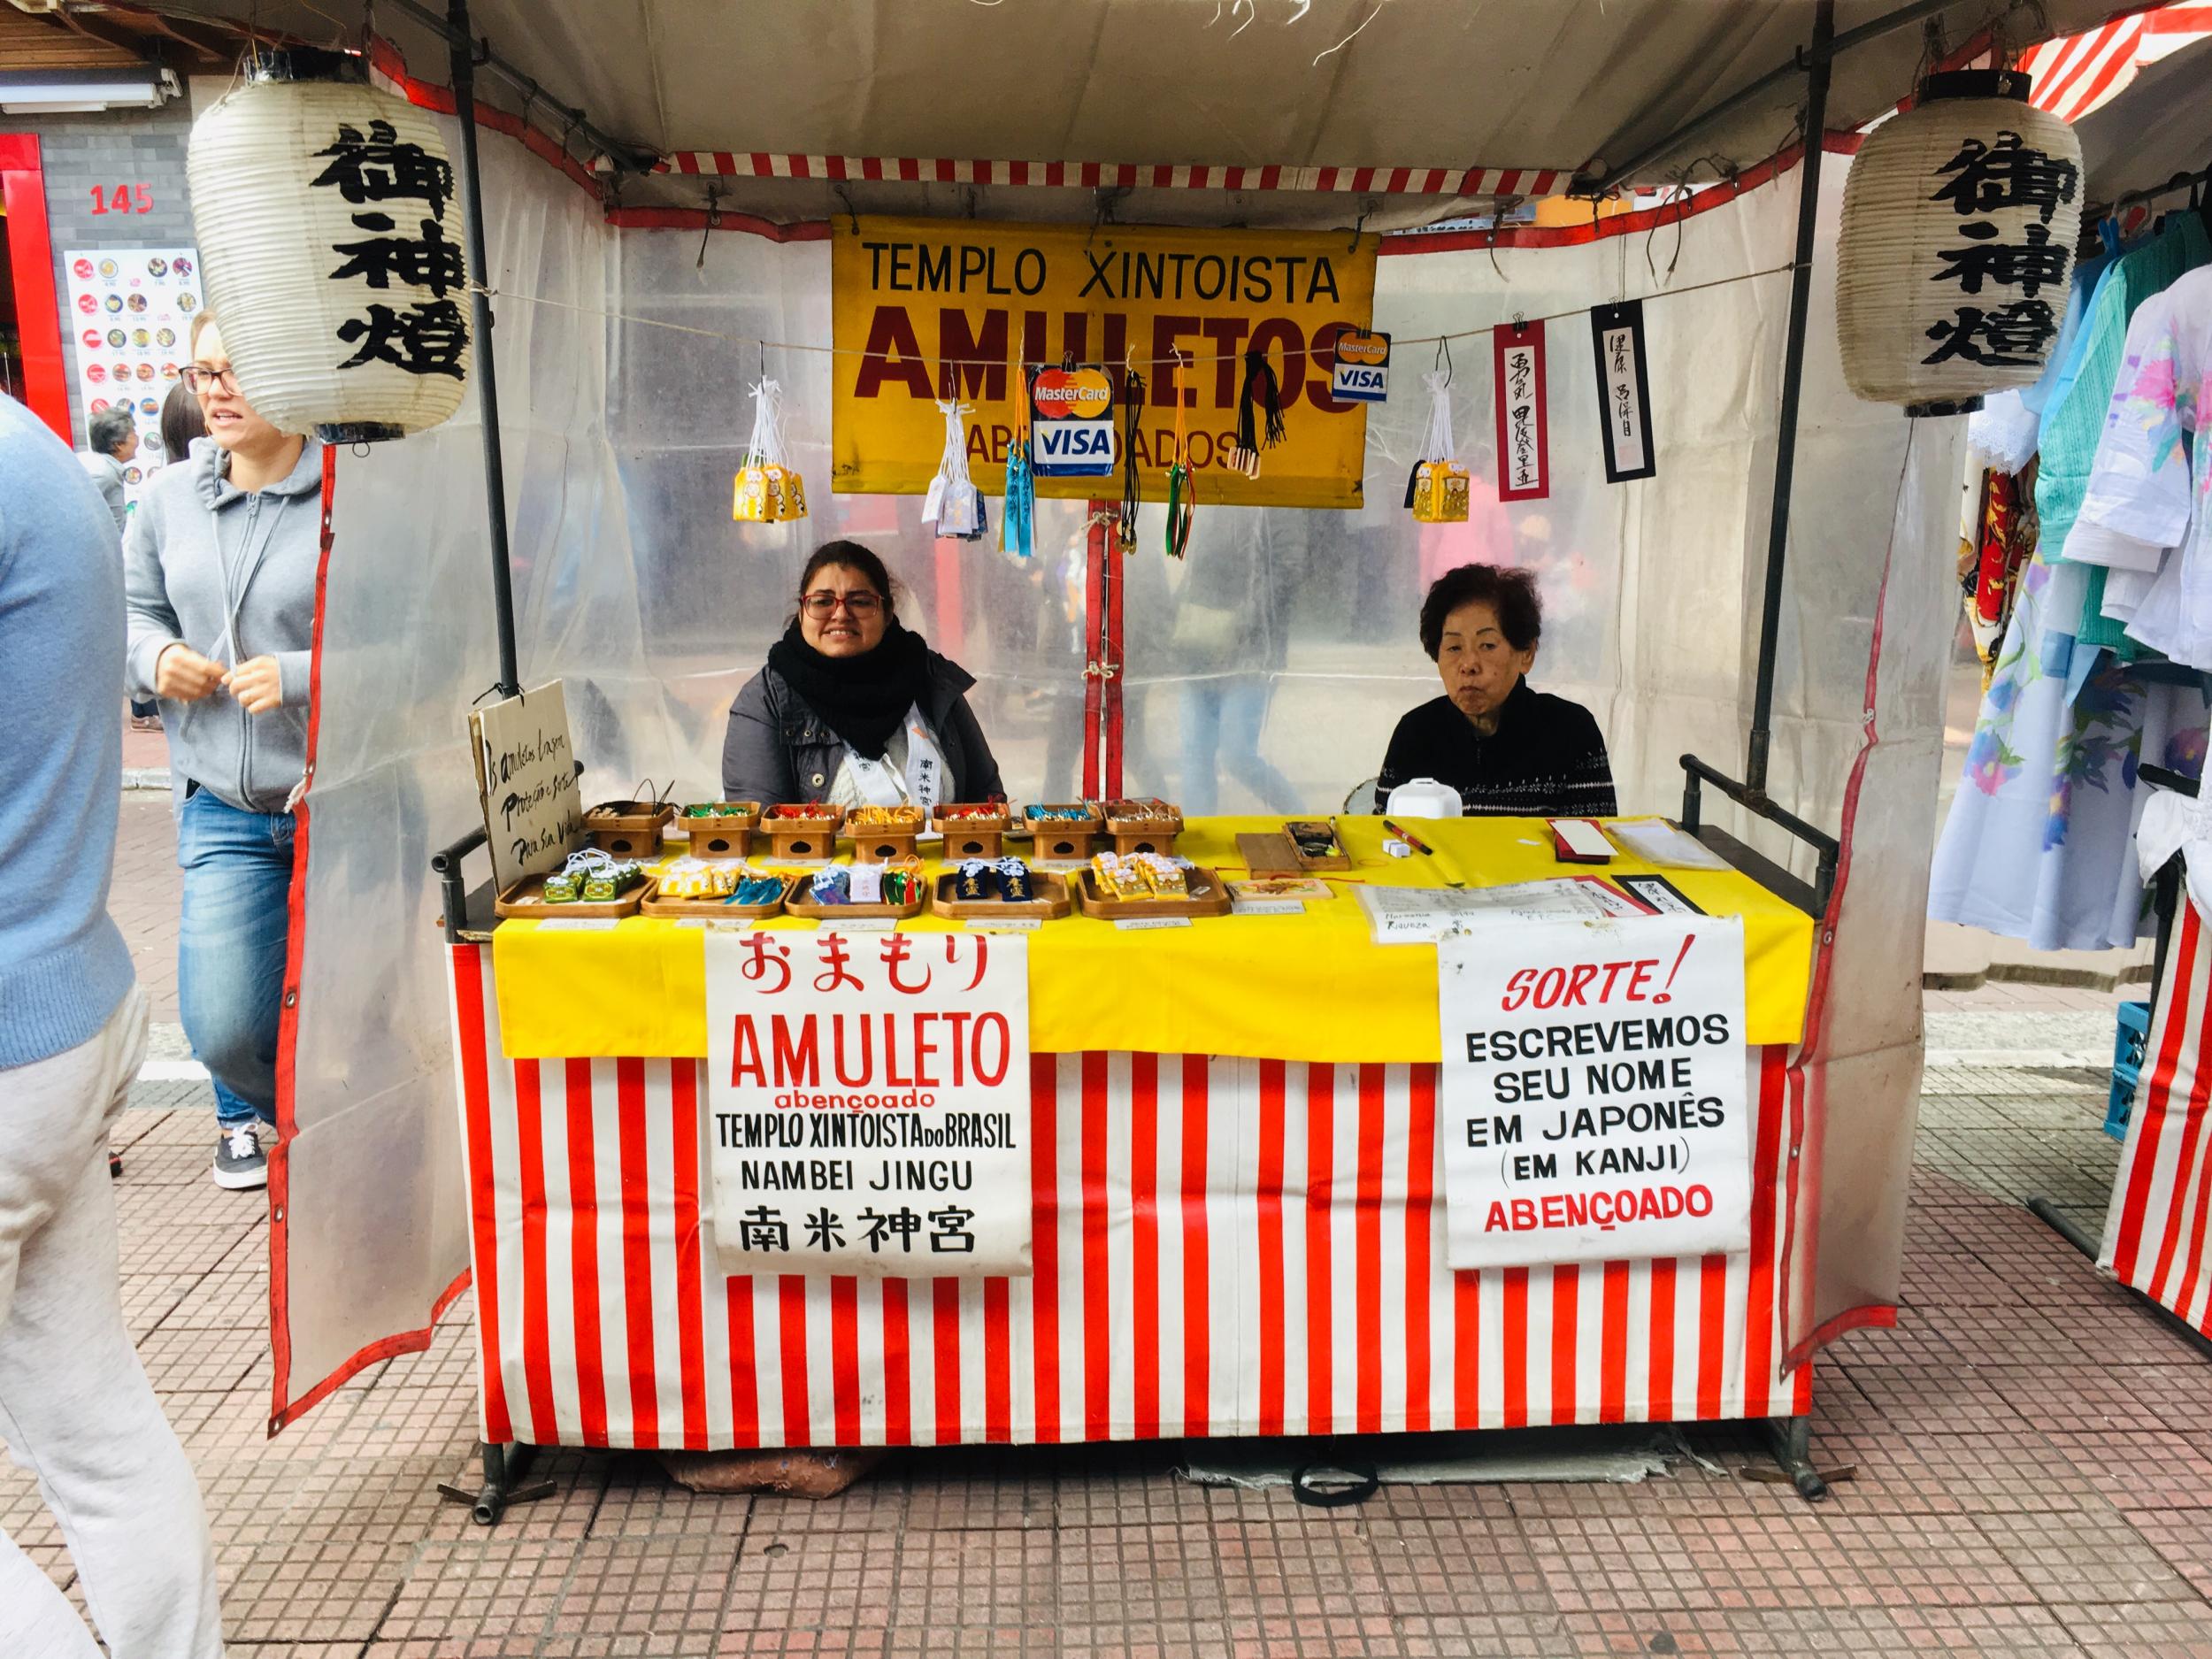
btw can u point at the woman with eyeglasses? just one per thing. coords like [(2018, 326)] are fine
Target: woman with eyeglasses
[(219, 567), (852, 708)]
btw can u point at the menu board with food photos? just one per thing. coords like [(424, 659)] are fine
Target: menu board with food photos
[(132, 309)]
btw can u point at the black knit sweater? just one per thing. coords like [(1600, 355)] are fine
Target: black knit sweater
[(1546, 758)]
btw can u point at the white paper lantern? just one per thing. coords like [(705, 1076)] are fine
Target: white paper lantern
[(330, 234), (1959, 223)]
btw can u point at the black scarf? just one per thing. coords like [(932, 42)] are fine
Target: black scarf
[(862, 699)]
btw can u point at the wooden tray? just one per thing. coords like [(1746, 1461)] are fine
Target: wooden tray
[(1273, 853), (972, 837), (628, 826), (1208, 896), (1343, 860), (1052, 900), (800, 901), (524, 898), (659, 906), (1065, 837), (803, 838)]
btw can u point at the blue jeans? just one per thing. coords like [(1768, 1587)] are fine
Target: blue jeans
[(1222, 718), (230, 948)]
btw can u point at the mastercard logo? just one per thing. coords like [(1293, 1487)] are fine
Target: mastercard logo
[(1073, 394), (1351, 346)]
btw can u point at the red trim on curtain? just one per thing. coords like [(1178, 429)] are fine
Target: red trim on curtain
[(31, 262)]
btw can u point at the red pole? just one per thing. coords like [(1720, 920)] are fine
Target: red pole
[(1094, 609)]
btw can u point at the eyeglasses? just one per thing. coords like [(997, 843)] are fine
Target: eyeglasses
[(825, 604), (200, 379)]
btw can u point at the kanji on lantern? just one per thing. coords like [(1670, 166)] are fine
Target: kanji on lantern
[(2030, 267), (1982, 178), (426, 338), (428, 261), (381, 168), (2008, 337)]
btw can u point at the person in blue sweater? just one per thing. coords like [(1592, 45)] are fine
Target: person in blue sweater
[(74, 1403)]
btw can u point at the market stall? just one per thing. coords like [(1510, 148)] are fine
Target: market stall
[(1239, 1221), (1262, 660)]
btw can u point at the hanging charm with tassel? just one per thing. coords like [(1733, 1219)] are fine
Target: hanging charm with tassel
[(1261, 392), (1436, 488), (954, 505), (1182, 484), (1018, 513)]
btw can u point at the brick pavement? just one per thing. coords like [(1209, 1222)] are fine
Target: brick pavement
[(2034, 1458)]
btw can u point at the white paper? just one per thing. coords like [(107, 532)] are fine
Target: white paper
[(868, 1103), (578, 924), (1139, 923), (1658, 842), (1267, 907), (1593, 1101)]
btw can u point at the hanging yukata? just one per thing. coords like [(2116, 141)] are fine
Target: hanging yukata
[(2040, 841), (2147, 511)]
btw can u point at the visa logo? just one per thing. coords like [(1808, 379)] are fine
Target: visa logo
[(1079, 449), (1356, 383)]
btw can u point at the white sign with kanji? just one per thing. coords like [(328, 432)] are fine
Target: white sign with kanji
[(868, 1102)]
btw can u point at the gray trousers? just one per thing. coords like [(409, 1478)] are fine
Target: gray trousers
[(75, 1407)]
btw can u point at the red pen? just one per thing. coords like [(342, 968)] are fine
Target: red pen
[(1409, 839)]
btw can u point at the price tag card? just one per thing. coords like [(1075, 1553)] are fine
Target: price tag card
[(1266, 906), (1008, 925), (1141, 923), (861, 924), (577, 925)]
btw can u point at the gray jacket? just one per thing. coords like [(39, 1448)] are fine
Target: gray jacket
[(107, 474), (777, 749), (232, 575)]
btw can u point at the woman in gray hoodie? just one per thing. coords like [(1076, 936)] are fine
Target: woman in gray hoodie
[(219, 566)]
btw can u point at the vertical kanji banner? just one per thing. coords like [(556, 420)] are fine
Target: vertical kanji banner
[(1624, 391), (868, 1101), (1523, 418)]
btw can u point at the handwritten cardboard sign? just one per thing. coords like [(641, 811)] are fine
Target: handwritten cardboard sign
[(526, 776)]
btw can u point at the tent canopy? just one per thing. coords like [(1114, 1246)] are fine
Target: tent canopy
[(1509, 92)]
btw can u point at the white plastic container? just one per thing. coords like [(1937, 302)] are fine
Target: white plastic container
[(1423, 797)]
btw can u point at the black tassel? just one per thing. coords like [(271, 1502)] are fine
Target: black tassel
[(1413, 479), (1260, 391), (1131, 489)]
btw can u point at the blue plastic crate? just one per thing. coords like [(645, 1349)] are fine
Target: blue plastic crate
[(2129, 1044)]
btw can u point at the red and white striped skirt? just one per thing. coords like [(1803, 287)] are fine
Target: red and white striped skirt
[(2155, 1233), (1222, 1246)]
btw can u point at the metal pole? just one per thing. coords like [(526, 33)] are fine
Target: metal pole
[(1754, 771), (460, 55)]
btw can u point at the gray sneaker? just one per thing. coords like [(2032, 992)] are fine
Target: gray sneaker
[(240, 1161)]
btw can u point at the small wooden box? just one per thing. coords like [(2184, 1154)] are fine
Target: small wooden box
[(721, 834), (814, 837), (1066, 837), (881, 843), (629, 829), (800, 901), (1136, 832), (979, 836)]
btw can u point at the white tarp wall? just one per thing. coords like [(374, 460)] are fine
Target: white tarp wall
[(1266, 672)]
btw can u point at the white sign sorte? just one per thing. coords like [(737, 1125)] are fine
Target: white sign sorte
[(868, 1102), (1594, 1105)]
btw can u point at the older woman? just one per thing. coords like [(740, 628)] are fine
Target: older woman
[(852, 708), (1510, 751)]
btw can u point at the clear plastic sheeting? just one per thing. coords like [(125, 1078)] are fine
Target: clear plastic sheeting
[(1265, 672), (372, 1223)]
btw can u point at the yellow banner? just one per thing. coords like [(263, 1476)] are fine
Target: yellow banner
[(924, 307)]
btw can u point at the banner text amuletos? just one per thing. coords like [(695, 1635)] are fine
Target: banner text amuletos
[(926, 309)]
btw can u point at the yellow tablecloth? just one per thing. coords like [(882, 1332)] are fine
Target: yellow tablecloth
[(1290, 987)]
